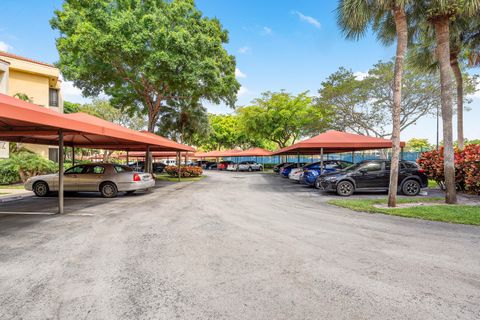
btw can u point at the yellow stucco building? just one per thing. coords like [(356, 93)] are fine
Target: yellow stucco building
[(39, 82)]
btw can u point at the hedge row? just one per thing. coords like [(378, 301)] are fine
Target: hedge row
[(19, 167), (467, 167), (186, 171)]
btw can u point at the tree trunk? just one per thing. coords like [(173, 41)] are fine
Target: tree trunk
[(402, 39), (459, 80), (442, 33)]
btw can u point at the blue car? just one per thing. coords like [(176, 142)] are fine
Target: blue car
[(312, 171), (285, 170)]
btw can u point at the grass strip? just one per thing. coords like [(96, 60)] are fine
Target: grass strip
[(462, 214)]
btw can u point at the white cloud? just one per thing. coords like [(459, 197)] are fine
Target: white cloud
[(5, 46), (239, 73), (359, 75), (243, 91), (266, 31), (310, 20), (244, 50)]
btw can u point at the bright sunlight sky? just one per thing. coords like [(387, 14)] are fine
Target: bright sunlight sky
[(279, 44)]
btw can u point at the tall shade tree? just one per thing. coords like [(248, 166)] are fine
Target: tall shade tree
[(144, 53), (354, 18), (439, 14), (283, 118)]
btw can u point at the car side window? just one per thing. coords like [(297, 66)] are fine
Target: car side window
[(372, 167), (75, 170), (119, 169), (95, 170)]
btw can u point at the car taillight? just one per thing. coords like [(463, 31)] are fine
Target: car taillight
[(421, 171), (136, 177)]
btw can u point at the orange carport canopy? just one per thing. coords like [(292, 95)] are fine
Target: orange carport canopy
[(254, 152), (25, 122), (155, 154), (218, 153), (336, 142)]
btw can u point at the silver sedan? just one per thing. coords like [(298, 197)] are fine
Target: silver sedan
[(106, 178)]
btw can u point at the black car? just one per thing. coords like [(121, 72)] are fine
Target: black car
[(158, 167), (373, 175)]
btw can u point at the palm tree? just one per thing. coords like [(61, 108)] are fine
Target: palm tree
[(439, 14), (389, 21), (463, 34)]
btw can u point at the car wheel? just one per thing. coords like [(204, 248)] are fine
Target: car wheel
[(41, 189), (317, 184), (261, 168), (345, 189), (411, 188), (108, 190), (250, 169)]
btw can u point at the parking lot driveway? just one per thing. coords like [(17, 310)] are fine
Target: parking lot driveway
[(234, 246)]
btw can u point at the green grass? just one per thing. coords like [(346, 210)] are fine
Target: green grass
[(168, 178), (432, 184), (3, 193), (436, 212), (11, 186)]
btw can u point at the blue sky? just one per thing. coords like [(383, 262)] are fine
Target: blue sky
[(291, 45)]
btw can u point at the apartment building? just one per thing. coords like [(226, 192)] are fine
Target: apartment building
[(36, 81)]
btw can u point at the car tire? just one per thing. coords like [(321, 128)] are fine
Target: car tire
[(108, 190), (250, 169), (316, 184), (260, 169), (41, 189), (345, 188), (411, 188)]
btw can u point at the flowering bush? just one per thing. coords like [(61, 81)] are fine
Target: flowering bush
[(186, 171), (467, 167)]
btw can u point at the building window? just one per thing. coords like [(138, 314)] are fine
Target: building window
[(53, 98), (53, 154)]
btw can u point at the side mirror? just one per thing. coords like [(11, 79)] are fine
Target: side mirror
[(363, 171)]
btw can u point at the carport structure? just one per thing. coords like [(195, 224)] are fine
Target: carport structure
[(28, 123), (336, 142), (254, 152)]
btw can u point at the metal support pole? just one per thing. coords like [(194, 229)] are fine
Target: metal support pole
[(353, 156), (60, 171), (321, 161), (128, 160), (401, 154), (73, 155), (148, 161), (179, 165)]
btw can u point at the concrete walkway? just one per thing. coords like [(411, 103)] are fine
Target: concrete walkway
[(232, 246)]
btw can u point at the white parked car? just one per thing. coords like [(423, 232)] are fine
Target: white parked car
[(106, 178), (296, 174), (245, 166)]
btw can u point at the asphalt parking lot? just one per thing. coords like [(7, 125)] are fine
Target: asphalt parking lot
[(231, 246)]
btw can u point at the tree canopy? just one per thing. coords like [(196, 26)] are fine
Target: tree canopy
[(144, 53), (283, 118)]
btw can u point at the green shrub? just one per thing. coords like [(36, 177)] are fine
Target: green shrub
[(8, 172), (21, 166)]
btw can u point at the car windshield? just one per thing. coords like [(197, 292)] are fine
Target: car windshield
[(352, 167)]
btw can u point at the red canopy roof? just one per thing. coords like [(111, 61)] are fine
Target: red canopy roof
[(254, 152), (336, 142), (218, 153), (155, 154), (21, 121)]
